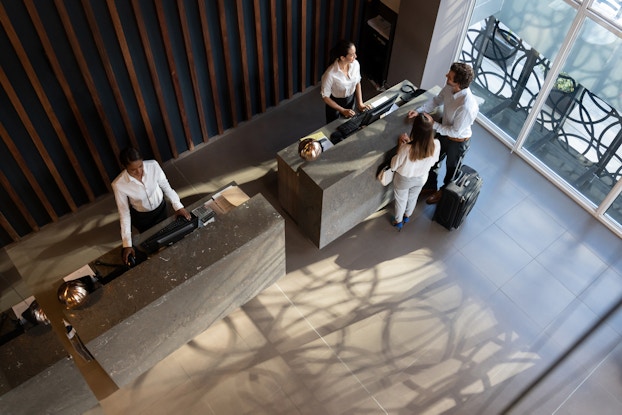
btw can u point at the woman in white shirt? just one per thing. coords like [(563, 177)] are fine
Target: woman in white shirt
[(415, 155), (139, 192), (341, 83)]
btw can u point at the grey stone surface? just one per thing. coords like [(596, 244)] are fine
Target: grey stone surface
[(37, 377), (139, 318), (332, 194)]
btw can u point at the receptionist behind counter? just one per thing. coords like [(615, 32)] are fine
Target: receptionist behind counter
[(341, 83), (139, 192)]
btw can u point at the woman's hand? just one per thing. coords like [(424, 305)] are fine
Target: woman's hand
[(412, 114), (347, 113), (403, 139), (363, 107)]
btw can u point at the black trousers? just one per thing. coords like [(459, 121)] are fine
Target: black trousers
[(145, 220), (453, 151), (333, 114)]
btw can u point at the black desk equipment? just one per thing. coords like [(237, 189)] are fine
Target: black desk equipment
[(170, 234)]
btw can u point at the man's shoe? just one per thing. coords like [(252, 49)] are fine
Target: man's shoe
[(435, 198)]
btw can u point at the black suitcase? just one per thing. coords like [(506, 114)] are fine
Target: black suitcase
[(458, 198)]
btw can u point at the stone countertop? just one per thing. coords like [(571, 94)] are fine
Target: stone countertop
[(37, 376), (136, 320), (170, 268), (357, 151), (27, 355)]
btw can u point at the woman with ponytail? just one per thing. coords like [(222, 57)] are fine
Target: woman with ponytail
[(341, 83)]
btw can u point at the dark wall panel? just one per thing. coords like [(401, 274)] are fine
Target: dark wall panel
[(81, 79)]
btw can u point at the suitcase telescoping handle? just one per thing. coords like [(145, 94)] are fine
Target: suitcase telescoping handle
[(459, 181)]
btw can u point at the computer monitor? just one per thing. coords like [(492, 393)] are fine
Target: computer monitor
[(378, 111)]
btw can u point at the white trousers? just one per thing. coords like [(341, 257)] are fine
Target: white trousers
[(406, 191)]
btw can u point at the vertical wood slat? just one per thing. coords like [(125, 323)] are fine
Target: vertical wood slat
[(8, 228), (329, 36), (172, 66), (227, 58), (354, 35), (303, 45), (344, 15), (210, 65), (275, 52), (144, 37), (36, 139), (285, 31), (129, 63), (64, 84), (183, 21), (318, 70), (244, 59), (289, 49), (21, 206), (88, 77), (21, 163), (260, 62), (47, 105)]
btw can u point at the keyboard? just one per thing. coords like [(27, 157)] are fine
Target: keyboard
[(349, 127), (170, 234)]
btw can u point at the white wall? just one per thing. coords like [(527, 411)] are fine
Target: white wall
[(427, 40)]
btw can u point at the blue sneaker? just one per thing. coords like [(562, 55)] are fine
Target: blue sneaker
[(406, 219), (397, 225)]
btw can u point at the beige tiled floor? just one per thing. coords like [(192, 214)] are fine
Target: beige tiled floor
[(424, 321)]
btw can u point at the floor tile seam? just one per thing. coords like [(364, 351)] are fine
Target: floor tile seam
[(587, 377), (556, 279), (485, 274), (333, 351), (555, 274), (594, 221), (512, 239)]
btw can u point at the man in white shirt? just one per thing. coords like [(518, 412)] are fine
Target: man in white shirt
[(139, 192), (460, 109)]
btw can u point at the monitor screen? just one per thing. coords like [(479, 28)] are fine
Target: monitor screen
[(375, 113)]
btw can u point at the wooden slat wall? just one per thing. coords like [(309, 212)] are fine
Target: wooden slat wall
[(81, 79)]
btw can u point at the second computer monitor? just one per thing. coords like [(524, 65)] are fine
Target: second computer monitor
[(375, 113)]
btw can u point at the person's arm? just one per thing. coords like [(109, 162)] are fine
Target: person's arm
[(359, 98), (125, 221), (170, 194), (428, 106), (398, 159), (343, 111)]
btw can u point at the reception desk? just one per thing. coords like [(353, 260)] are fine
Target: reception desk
[(37, 376), (332, 194), (140, 317)]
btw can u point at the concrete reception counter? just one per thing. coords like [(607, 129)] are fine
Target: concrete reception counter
[(332, 194)]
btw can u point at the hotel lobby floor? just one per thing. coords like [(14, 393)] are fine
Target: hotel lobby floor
[(423, 321)]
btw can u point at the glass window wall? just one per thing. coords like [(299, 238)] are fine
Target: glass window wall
[(575, 128)]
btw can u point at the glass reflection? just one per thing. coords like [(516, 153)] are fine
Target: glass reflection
[(610, 10), (578, 131)]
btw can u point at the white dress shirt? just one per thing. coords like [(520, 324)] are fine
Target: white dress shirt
[(402, 164), (459, 112), (337, 84), (144, 197)]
